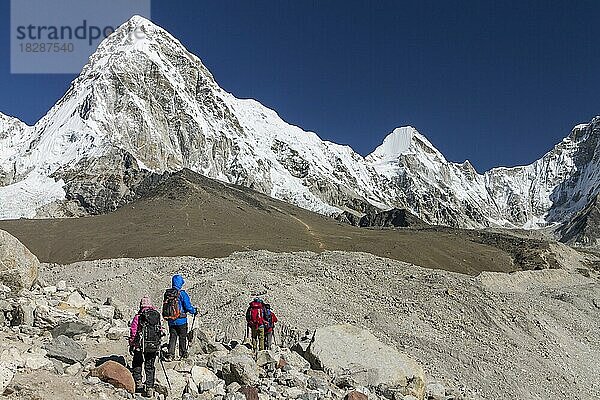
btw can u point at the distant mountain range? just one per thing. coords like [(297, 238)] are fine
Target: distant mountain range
[(144, 106)]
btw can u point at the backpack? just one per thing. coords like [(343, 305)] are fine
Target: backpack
[(254, 316), (268, 318), (149, 334), (170, 309)]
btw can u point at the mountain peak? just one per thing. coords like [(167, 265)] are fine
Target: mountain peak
[(396, 143), (139, 20), (404, 140)]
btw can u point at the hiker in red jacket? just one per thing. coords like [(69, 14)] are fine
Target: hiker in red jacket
[(270, 320), (256, 324)]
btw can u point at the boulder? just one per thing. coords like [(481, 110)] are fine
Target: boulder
[(18, 266), (250, 392), (71, 329), (6, 376), (178, 381), (66, 350), (204, 378), (5, 306), (74, 369), (49, 318), (293, 393), (233, 387), (436, 391), (235, 396), (115, 374), (36, 359), (192, 388), (356, 357), (12, 358), (106, 312), (267, 359), (295, 360), (354, 395), (77, 301), (239, 368), (49, 290), (203, 343), (117, 333), (23, 313)]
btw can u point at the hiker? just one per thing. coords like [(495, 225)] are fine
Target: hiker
[(270, 320), (144, 344), (176, 306), (256, 324)]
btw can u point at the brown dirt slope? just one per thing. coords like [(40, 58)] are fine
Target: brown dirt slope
[(188, 214)]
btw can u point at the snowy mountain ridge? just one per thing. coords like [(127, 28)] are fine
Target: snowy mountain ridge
[(144, 106)]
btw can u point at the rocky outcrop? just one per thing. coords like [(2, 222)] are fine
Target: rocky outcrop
[(354, 357), (394, 218), (584, 228), (18, 266)]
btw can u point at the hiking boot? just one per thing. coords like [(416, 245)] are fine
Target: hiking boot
[(184, 356), (139, 387), (149, 392), (169, 357)]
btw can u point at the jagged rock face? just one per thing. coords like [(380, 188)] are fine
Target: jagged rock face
[(144, 105), (12, 138), (390, 218), (584, 228)]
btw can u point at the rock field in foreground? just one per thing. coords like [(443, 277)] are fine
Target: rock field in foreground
[(532, 334)]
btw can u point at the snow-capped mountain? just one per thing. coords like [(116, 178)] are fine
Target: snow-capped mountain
[(145, 105), (150, 100)]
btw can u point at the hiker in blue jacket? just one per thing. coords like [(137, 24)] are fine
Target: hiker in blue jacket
[(176, 306)]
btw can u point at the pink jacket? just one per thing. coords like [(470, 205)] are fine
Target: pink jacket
[(135, 323)]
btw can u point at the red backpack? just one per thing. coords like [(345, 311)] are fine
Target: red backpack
[(254, 315)]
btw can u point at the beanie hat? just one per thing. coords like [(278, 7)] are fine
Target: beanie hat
[(145, 302)]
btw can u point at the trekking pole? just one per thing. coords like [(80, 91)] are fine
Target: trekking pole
[(191, 334), (165, 372), (193, 322)]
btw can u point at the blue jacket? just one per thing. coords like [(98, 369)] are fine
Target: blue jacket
[(185, 304)]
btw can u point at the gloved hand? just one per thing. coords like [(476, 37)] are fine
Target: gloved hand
[(131, 349)]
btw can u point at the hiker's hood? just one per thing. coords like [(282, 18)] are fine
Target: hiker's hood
[(145, 302), (256, 304), (177, 281)]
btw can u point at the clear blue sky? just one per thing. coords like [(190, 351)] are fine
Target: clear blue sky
[(498, 84)]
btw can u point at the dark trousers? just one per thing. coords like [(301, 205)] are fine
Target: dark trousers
[(178, 332), (147, 360)]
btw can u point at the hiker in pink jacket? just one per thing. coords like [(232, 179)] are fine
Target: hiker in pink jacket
[(144, 344)]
